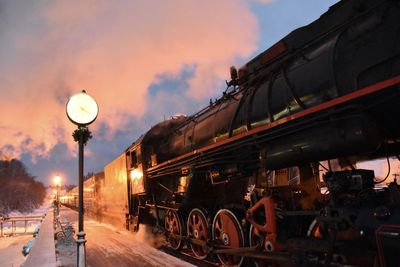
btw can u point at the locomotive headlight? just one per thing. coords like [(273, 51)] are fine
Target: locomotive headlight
[(136, 175)]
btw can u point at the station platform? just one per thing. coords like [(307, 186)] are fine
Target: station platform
[(43, 251)]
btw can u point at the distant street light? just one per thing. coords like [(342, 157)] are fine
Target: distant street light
[(82, 110), (57, 183), (57, 180)]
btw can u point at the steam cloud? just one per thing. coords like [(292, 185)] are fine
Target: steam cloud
[(114, 50)]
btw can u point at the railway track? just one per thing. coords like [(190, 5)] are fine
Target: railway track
[(186, 255)]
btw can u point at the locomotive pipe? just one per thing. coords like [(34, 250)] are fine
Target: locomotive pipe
[(341, 138)]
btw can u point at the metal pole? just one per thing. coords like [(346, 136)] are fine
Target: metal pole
[(80, 181), (81, 234), (58, 200), (55, 217)]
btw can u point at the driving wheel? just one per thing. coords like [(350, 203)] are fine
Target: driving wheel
[(173, 228), (197, 228), (227, 231)]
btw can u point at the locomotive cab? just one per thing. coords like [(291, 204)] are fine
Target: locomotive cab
[(135, 170), (135, 185)]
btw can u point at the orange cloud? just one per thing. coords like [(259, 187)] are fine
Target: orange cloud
[(115, 51)]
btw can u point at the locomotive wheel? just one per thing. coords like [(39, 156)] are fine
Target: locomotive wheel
[(255, 238), (197, 227), (173, 226), (314, 230), (227, 231)]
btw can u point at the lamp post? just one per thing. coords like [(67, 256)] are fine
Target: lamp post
[(57, 183), (82, 110)]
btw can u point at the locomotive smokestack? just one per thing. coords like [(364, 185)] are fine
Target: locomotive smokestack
[(234, 73), (234, 76)]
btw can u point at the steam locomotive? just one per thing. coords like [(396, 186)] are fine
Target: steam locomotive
[(267, 173)]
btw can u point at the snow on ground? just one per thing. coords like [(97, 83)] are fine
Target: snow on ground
[(11, 246), (20, 229), (107, 246), (37, 212), (20, 226), (66, 255), (11, 250)]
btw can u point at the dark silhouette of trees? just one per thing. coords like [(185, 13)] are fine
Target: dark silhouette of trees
[(68, 187), (88, 175), (18, 189)]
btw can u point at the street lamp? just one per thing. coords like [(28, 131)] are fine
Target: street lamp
[(82, 110), (57, 183)]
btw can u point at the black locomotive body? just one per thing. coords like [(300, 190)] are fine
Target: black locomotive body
[(241, 178)]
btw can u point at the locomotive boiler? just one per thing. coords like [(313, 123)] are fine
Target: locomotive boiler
[(266, 174)]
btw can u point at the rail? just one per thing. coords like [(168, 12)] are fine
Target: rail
[(13, 220)]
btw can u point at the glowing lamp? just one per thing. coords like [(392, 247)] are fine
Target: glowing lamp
[(136, 175), (57, 180)]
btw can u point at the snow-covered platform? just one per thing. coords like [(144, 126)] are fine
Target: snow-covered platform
[(43, 251), (107, 246)]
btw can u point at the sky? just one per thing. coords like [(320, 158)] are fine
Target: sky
[(141, 60)]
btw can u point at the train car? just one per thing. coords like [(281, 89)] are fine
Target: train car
[(67, 199), (71, 198), (89, 195), (241, 179), (111, 193)]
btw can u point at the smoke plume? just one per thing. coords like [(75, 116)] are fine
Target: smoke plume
[(114, 50)]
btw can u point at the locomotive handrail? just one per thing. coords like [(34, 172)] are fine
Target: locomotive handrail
[(211, 106)]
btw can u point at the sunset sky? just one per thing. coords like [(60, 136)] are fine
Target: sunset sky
[(142, 61)]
